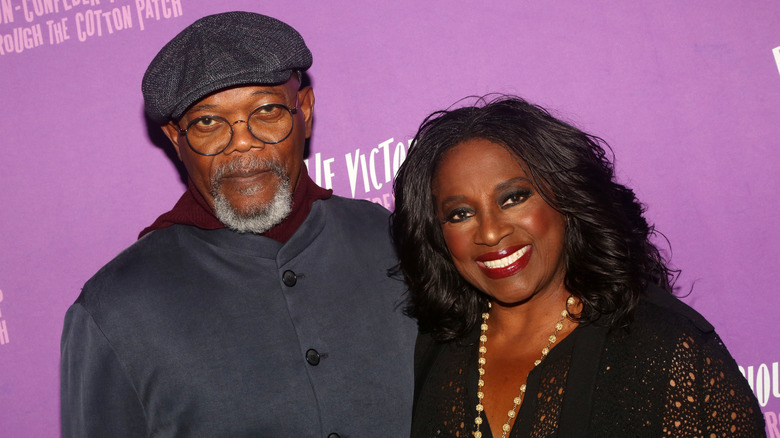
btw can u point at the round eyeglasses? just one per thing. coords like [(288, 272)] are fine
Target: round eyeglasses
[(210, 135)]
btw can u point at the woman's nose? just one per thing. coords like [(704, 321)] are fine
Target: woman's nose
[(492, 229)]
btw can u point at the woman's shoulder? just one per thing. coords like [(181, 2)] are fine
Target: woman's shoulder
[(658, 306), (668, 341), (662, 327), (672, 360)]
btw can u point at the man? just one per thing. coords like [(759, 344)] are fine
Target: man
[(260, 305)]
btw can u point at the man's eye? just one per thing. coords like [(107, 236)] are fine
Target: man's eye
[(267, 112), (206, 121)]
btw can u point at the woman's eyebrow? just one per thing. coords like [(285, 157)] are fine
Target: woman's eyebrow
[(451, 199), (510, 182)]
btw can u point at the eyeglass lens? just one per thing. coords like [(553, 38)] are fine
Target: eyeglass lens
[(270, 123)]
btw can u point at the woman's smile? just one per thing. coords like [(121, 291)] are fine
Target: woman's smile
[(517, 259)]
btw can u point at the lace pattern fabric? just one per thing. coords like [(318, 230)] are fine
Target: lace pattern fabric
[(549, 398), (692, 387), (665, 375), (449, 400)]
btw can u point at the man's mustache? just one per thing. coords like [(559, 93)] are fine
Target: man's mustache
[(245, 166), (248, 165)]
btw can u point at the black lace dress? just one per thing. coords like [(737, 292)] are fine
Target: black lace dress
[(667, 375)]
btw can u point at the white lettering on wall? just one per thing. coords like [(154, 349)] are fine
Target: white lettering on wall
[(776, 51), (375, 168), (75, 20), (323, 175), (765, 384), (3, 326)]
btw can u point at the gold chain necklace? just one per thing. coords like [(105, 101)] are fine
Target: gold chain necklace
[(481, 361)]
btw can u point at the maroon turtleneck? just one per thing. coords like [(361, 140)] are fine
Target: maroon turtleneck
[(192, 209)]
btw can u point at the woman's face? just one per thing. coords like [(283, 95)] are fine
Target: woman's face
[(503, 237)]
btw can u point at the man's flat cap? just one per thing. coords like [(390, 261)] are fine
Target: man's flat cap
[(217, 52)]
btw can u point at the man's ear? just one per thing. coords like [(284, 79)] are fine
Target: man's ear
[(306, 100), (172, 132)]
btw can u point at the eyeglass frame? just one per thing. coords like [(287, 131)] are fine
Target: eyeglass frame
[(292, 111)]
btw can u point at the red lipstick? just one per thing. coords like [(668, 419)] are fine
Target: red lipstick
[(506, 262)]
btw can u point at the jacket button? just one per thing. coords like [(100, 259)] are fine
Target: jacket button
[(289, 278), (334, 435), (312, 357)]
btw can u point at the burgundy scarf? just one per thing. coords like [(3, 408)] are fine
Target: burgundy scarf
[(192, 209)]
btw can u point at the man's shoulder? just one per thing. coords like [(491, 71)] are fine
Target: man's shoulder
[(363, 225), (134, 265), (357, 215), (348, 206)]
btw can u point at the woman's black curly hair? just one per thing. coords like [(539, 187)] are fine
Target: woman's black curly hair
[(609, 257)]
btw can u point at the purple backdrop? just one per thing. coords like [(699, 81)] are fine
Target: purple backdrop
[(685, 92)]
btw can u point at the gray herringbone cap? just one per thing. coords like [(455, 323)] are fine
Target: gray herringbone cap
[(217, 52)]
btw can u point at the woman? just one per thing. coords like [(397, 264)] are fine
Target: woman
[(543, 306)]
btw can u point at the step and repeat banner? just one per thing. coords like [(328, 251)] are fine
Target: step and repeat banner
[(686, 93)]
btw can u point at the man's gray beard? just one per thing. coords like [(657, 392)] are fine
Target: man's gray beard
[(260, 218)]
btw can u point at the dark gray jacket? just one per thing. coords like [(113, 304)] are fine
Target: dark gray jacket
[(202, 333)]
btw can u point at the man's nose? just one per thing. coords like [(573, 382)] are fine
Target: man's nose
[(242, 140)]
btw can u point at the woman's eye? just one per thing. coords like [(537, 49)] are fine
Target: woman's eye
[(458, 215), (515, 198)]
